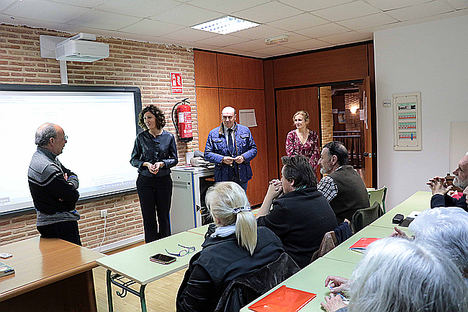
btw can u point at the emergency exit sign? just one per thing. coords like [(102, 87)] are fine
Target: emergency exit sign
[(176, 82)]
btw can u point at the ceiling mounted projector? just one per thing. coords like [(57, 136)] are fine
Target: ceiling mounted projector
[(81, 48)]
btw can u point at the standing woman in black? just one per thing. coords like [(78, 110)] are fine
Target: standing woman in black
[(155, 151)]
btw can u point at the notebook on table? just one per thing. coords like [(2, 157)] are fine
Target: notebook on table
[(361, 244), (284, 299)]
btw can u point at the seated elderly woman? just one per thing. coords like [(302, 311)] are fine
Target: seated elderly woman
[(444, 229), (398, 275), (235, 248)]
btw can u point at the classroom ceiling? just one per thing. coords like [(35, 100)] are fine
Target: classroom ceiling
[(309, 24)]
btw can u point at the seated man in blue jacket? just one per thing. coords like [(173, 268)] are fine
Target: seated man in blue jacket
[(231, 147), (440, 198)]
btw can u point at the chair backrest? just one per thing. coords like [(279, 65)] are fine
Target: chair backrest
[(378, 196), (366, 216), (343, 231), (329, 242), (245, 288)]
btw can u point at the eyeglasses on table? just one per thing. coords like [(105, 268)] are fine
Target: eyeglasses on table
[(183, 252)]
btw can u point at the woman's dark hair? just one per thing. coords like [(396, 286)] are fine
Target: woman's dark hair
[(337, 148), (298, 168), (157, 112)]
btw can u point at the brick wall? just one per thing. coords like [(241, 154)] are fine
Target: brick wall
[(326, 114), (352, 120), (130, 63)]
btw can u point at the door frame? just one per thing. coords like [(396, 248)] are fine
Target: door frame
[(372, 119)]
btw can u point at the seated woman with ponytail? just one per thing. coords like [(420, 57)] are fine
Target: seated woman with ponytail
[(235, 248)]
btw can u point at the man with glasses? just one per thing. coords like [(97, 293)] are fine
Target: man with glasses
[(440, 190), (53, 187), (231, 147), (342, 187)]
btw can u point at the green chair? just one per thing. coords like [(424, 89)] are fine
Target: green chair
[(363, 217), (378, 196)]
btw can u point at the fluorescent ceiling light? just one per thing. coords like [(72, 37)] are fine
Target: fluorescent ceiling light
[(225, 25)]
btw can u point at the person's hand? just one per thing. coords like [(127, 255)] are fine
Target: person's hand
[(153, 168), (239, 159), (65, 176), (275, 188), (398, 233), (228, 160), (333, 303), (437, 185), (336, 284)]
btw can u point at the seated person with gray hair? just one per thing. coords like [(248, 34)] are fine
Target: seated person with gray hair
[(398, 275), (444, 229), (237, 247), (342, 187), (440, 190)]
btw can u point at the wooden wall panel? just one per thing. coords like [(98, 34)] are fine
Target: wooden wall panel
[(209, 114), (270, 113), (343, 64), (246, 99), (240, 72), (205, 69)]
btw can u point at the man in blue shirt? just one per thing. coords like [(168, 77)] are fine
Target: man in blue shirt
[(231, 147)]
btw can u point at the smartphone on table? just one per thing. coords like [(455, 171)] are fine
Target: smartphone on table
[(163, 259)]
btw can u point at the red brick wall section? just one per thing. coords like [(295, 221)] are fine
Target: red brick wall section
[(352, 120), (130, 63)]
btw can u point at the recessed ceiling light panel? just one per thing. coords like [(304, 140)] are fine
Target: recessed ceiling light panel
[(225, 25)]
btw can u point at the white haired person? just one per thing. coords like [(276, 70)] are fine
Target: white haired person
[(444, 229), (235, 248), (399, 275)]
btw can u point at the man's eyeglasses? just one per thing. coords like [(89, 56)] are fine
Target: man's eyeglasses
[(185, 251)]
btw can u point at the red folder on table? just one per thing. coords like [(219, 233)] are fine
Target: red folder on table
[(362, 244), (284, 299)]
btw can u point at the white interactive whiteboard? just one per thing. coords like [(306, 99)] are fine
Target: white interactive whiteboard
[(101, 125)]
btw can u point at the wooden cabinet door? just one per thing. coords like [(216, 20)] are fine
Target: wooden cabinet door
[(288, 102), (208, 113)]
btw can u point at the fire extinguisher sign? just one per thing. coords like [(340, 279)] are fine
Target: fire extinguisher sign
[(176, 82)]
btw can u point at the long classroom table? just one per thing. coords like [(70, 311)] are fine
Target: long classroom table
[(50, 275), (133, 265), (341, 261)]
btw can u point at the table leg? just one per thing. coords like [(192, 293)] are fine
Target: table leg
[(109, 291), (142, 298)]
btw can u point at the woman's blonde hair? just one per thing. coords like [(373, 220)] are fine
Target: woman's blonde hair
[(303, 113), (228, 204)]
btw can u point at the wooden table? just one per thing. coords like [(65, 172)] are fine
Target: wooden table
[(341, 261), (50, 275), (133, 265)]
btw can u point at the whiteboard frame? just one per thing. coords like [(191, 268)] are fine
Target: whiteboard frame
[(67, 88)]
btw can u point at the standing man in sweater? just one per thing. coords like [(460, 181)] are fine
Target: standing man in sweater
[(53, 187), (342, 187)]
